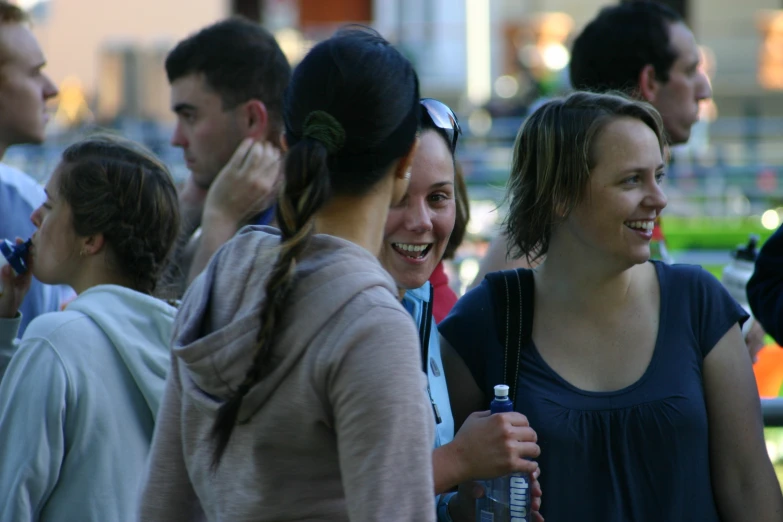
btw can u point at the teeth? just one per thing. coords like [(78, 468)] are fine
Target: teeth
[(410, 248), (642, 225)]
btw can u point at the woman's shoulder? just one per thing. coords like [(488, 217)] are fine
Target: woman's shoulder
[(45, 344), (679, 273), (369, 302), (249, 240), (688, 283), (52, 325), (696, 298)]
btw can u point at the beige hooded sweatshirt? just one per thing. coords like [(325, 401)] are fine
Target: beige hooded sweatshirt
[(338, 428)]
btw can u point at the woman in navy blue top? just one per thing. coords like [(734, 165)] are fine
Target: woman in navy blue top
[(635, 375)]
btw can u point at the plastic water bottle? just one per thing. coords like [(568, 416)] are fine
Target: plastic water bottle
[(15, 255), (738, 272), (506, 499)]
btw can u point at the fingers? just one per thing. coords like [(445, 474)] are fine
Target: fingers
[(523, 434), (477, 490), (240, 155), (536, 503), (535, 489), (480, 414), (523, 465), (516, 419), (528, 450), (6, 273), (507, 420), (263, 161)]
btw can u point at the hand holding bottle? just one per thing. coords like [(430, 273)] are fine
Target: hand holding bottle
[(490, 446), (15, 278)]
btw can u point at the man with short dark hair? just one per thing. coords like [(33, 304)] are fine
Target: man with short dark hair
[(227, 83), (645, 50), (24, 91)]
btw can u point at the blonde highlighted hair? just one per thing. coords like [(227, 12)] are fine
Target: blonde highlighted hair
[(553, 156)]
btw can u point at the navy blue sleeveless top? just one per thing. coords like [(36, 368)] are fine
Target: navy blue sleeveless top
[(637, 454)]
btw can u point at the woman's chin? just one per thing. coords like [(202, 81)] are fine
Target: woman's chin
[(44, 277), (411, 281)]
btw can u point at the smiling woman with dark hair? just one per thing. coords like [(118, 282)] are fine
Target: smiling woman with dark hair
[(418, 232)]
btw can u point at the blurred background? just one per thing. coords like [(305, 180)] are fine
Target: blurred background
[(491, 60)]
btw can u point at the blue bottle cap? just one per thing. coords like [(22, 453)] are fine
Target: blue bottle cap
[(16, 254)]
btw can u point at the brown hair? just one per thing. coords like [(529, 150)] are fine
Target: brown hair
[(119, 189), (12, 14), (553, 156), (240, 61), (462, 215)]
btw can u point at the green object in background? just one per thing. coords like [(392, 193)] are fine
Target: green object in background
[(711, 233), (716, 270)]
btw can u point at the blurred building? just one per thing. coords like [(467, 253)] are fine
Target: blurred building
[(496, 53), (528, 42), (115, 49)]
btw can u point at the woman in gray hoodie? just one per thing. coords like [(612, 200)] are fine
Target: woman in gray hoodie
[(296, 391)]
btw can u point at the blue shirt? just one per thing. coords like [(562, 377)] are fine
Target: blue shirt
[(266, 217), (417, 302), (20, 195), (639, 453), (436, 377)]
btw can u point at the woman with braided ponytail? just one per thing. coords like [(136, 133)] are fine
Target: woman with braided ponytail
[(296, 390), (80, 395)]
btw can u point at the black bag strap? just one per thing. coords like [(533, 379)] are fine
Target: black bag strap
[(511, 289), (425, 329)]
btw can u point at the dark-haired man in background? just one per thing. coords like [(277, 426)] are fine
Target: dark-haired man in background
[(227, 83)]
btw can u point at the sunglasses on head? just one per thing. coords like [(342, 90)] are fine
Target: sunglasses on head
[(443, 118)]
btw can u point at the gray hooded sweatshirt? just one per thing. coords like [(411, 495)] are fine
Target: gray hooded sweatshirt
[(338, 428)]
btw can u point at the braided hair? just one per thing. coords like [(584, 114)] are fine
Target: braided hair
[(117, 188), (344, 137)]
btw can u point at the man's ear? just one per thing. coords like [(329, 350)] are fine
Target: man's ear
[(256, 119), (649, 85)]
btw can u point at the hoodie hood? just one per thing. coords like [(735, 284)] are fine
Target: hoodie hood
[(140, 327), (215, 337)]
